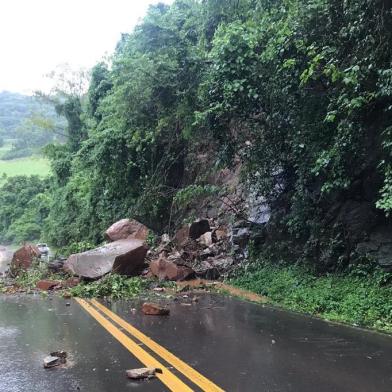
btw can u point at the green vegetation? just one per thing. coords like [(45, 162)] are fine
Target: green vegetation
[(24, 206), (75, 247), (27, 280), (112, 285), (360, 297)]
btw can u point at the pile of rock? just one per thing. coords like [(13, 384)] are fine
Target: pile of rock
[(198, 249)]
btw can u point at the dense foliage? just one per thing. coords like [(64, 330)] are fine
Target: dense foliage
[(298, 92), (359, 297), (24, 206)]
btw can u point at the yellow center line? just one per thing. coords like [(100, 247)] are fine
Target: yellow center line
[(204, 383), (167, 377)]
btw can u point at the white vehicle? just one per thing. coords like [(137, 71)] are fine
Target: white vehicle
[(43, 249)]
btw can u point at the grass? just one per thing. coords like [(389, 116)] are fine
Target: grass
[(111, 285), (358, 298), (33, 165), (27, 280)]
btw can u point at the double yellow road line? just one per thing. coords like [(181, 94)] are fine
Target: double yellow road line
[(105, 317)]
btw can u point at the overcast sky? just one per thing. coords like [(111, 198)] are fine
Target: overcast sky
[(38, 35)]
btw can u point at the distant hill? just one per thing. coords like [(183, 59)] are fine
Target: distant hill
[(17, 115), (16, 108)]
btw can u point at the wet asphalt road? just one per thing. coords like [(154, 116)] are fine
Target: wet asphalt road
[(239, 346)]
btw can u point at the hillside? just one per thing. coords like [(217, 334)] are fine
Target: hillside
[(20, 124)]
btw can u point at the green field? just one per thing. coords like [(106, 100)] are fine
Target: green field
[(28, 166)]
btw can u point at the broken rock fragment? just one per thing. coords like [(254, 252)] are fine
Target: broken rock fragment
[(168, 270), (143, 373), (152, 309), (55, 358), (56, 265), (124, 257), (127, 228), (193, 231), (71, 282), (48, 284), (221, 233), (206, 239)]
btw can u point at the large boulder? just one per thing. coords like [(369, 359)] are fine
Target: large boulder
[(23, 257), (168, 270), (127, 228), (125, 257)]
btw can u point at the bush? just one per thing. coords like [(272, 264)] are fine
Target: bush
[(358, 297), (24, 206), (75, 247), (111, 285)]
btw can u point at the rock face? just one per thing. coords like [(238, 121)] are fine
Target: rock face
[(378, 247), (167, 270), (24, 257), (124, 257), (127, 228)]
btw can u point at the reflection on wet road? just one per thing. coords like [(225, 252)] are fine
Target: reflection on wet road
[(238, 345)]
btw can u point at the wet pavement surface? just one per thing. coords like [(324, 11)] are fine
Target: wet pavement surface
[(239, 346)]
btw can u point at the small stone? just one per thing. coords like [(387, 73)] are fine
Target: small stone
[(68, 304), (143, 373), (55, 358), (206, 239), (50, 362), (158, 289), (71, 282), (152, 309)]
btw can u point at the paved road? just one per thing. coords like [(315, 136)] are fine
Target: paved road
[(237, 346)]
